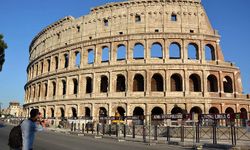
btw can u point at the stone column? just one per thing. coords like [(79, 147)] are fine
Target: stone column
[(184, 51)]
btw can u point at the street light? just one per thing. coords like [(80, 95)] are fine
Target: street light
[(0, 109)]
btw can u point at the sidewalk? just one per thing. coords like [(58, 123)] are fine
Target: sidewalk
[(189, 143)]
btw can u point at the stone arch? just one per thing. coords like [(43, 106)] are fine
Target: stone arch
[(228, 84), (45, 89), (62, 112), (48, 65), (212, 83), (243, 113), (121, 52), (177, 110), (156, 50), (91, 56), (138, 111), (194, 83), (209, 52), (74, 112), (138, 83), (103, 112), (89, 85), (229, 110), (193, 51), (157, 82), (120, 83), (75, 86), (52, 112), (87, 112), (138, 51), (104, 84), (77, 59), (176, 82), (196, 110), (175, 51), (105, 53), (121, 111), (214, 110), (64, 87), (66, 60), (157, 111), (56, 61), (53, 88), (44, 113)]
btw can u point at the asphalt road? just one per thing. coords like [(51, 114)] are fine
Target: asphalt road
[(48, 140)]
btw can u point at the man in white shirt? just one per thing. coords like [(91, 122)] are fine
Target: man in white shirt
[(30, 127)]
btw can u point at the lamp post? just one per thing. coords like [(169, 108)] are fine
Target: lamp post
[(0, 109)]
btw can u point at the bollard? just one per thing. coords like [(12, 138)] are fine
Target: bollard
[(97, 129), (182, 133), (103, 129), (133, 130), (72, 126), (110, 130), (124, 131), (168, 133), (144, 133), (155, 133), (83, 128), (214, 133)]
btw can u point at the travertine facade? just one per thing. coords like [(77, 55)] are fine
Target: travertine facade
[(135, 57)]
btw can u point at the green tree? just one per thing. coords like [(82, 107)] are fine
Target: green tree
[(3, 46)]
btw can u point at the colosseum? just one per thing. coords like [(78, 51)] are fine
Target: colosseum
[(135, 57)]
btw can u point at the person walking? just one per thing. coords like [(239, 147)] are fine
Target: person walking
[(29, 127)]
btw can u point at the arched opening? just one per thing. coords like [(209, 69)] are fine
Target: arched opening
[(138, 83), (195, 112), (48, 65), (138, 111), (193, 52), (103, 113), (195, 83), (89, 88), (176, 82), (64, 87), (91, 56), (227, 83), (54, 88), (157, 111), (157, 83), (39, 90), (229, 110), (176, 110), (44, 113), (138, 51), (104, 84), (121, 112), (121, 52), (45, 90), (52, 113), (62, 112), (66, 60), (209, 52), (156, 50), (214, 110), (87, 112), (74, 113), (56, 63), (105, 54), (120, 83), (77, 59), (212, 83), (75, 89), (174, 51), (243, 113)]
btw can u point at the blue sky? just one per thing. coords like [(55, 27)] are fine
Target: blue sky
[(21, 20)]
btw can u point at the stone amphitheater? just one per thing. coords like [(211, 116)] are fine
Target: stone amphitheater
[(135, 57)]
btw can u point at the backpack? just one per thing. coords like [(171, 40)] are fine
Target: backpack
[(15, 137)]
